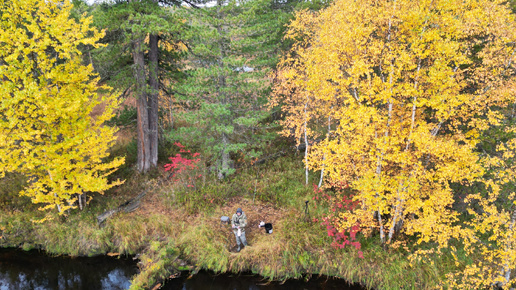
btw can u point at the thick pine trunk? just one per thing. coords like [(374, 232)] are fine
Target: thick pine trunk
[(143, 163), (153, 99)]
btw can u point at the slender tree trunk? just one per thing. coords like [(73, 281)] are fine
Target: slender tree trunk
[(398, 213), (171, 115), (306, 147), (506, 268), (322, 172), (80, 201), (55, 195), (153, 99), (397, 221), (380, 222), (324, 156), (389, 117), (379, 172), (222, 94), (224, 158), (143, 163)]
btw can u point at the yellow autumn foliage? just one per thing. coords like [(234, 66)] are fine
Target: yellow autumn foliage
[(395, 95), (47, 130)]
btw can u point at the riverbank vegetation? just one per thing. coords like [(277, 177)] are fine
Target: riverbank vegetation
[(376, 136), (168, 235)]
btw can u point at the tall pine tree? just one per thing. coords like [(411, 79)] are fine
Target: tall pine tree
[(132, 60)]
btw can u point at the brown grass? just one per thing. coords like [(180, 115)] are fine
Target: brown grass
[(152, 204)]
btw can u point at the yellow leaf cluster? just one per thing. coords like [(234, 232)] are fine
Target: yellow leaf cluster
[(47, 129)]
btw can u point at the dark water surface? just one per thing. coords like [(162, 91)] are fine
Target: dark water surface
[(210, 281), (35, 270)]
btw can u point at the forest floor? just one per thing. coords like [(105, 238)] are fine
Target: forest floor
[(255, 212)]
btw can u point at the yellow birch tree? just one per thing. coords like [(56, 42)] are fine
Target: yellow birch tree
[(47, 129), (410, 87)]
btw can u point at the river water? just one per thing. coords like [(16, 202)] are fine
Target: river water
[(207, 280), (36, 270)]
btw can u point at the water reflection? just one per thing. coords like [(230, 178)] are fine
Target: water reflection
[(35, 270), (206, 280)]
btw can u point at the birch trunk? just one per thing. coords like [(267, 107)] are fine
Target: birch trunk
[(55, 195), (398, 212), (506, 269), (80, 201), (389, 117), (324, 156), (306, 147)]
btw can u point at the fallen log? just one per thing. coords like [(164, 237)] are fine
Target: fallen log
[(127, 206)]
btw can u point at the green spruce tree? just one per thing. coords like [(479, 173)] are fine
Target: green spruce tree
[(232, 47)]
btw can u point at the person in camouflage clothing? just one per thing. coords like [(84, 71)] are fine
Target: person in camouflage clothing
[(238, 223)]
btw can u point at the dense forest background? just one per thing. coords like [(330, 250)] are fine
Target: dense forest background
[(385, 127)]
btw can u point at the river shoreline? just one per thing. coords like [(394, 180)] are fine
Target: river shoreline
[(166, 244)]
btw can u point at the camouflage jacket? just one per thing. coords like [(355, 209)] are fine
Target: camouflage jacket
[(239, 221)]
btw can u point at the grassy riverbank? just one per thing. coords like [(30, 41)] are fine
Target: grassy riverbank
[(177, 228)]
